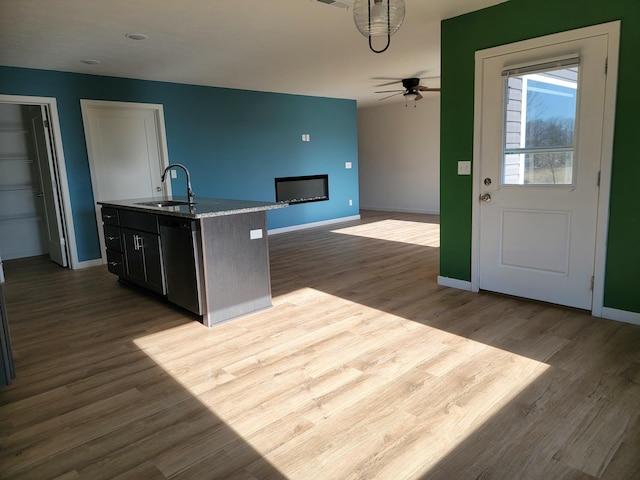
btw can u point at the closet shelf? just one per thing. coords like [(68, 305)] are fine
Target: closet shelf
[(13, 218), (15, 158), (13, 130), (13, 188)]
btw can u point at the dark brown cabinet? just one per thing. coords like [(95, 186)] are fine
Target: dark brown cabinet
[(133, 247), (7, 369), (214, 265), (143, 259)]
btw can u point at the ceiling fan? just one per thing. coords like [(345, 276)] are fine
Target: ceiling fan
[(411, 91)]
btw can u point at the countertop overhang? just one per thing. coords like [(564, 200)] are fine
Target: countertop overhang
[(201, 208)]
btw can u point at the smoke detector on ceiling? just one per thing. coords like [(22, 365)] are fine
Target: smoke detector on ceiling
[(337, 3)]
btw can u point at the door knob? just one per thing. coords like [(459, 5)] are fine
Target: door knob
[(158, 189), (485, 197)]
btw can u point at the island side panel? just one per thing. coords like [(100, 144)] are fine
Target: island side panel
[(236, 266)]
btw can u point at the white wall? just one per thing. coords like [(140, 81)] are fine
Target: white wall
[(399, 156)]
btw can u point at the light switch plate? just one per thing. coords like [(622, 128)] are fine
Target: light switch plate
[(464, 167), (347, 164), (255, 234)]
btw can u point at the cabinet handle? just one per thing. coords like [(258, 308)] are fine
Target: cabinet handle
[(114, 264), (109, 216), (113, 238), (138, 242)]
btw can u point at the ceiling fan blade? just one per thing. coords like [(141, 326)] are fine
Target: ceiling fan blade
[(389, 96), (389, 83), (428, 89), (389, 91), (419, 74), (399, 80), (418, 97)]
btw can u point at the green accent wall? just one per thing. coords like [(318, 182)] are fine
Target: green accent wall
[(514, 21)]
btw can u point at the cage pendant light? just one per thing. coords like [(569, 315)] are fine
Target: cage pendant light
[(378, 18)]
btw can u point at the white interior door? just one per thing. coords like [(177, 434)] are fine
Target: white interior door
[(125, 148), (540, 154), (44, 158)]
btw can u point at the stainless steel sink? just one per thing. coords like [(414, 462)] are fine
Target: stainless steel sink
[(165, 203)]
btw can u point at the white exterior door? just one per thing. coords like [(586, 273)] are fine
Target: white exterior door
[(540, 154), (125, 144), (49, 195)]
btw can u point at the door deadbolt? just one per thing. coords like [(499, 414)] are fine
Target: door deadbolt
[(487, 181), (485, 197)]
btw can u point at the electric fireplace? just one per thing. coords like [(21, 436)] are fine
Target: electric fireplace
[(310, 188)]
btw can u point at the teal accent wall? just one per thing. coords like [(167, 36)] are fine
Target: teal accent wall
[(510, 22), (234, 142)]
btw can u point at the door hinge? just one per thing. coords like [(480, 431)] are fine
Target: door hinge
[(598, 179), (592, 282), (62, 242), (606, 65), (45, 123)]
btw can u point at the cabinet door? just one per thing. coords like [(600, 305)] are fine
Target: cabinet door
[(143, 259), (115, 263), (112, 238), (133, 256), (152, 259)]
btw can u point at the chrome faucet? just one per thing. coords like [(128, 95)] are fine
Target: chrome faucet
[(190, 194)]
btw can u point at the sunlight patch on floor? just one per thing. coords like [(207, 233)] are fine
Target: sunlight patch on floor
[(392, 395), (396, 231)]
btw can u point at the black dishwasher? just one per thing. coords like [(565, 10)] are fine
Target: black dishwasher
[(180, 242)]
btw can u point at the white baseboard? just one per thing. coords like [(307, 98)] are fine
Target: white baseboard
[(88, 263), (621, 315), (304, 226), (454, 283), (608, 313), (400, 210)]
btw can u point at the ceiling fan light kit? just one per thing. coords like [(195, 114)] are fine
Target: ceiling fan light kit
[(378, 18)]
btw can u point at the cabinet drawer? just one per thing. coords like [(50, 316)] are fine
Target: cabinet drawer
[(110, 216), (112, 238), (115, 263), (145, 222)]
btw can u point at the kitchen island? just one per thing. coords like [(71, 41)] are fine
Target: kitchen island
[(210, 257)]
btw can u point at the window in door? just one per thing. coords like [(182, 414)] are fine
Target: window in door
[(539, 124)]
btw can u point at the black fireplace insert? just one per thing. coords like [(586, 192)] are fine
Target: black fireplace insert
[(309, 188)]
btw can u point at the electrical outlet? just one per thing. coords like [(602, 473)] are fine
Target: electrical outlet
[(350, 203), (174, 174), (347, 164)]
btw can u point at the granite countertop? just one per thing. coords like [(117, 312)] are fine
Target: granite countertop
[(202, 208)]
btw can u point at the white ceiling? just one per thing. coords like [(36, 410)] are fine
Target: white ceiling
[(289, 46)]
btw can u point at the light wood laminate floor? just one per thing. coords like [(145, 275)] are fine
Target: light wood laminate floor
[(364, 368)]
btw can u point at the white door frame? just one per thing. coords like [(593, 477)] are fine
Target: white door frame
[(612, 29), (47, 170), (59, 164), (158, 111)]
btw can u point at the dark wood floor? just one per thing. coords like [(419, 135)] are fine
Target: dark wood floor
[(364, 368)]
